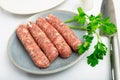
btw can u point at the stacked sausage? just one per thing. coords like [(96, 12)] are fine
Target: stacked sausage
[(46, 39)]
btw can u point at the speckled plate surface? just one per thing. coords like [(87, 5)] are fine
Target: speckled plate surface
[(20, 58)]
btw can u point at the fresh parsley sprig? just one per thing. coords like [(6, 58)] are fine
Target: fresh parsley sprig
[(91, 24)]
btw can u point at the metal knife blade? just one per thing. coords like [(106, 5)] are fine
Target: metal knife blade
[(107, 9)]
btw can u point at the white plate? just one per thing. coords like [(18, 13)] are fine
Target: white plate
[(28, 6)]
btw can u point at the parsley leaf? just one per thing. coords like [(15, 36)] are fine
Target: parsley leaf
[(85, 46), (107, 27), (99, 52), (80, 18)]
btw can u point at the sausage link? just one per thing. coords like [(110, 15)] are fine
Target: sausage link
[(61, 45), (43, 42), (31, 47), (64, 30)]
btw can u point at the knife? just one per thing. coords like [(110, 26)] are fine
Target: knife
[(107, 9)]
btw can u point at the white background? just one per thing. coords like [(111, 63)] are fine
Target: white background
[(80, 71)]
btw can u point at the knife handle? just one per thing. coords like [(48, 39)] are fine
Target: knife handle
[(116, 57)]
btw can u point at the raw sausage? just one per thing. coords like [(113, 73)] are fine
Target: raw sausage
[(43, 42), (31, 47), (61, 45), (64, 30)]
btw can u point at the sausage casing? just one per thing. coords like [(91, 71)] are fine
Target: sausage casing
[(31, 47), (65, 31), (43, 42), (61, 45)]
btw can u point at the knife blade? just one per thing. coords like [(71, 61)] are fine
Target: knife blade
[(107, 9)]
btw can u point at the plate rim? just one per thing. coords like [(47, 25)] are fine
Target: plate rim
[(41, 72), (28, 13)]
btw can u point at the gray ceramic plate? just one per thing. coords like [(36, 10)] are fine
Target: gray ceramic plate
[(21, 59)]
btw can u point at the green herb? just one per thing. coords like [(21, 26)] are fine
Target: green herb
[(91, 24)]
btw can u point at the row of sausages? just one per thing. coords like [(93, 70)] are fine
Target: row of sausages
[(46, 39)]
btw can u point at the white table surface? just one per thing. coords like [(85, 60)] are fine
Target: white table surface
[(80, 71)]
